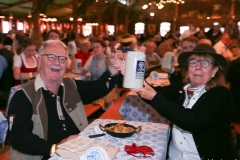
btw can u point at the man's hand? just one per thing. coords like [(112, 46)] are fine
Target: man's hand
[(116, 63)]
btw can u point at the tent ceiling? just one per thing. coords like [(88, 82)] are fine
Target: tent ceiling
[(58, 8), (62, 9)]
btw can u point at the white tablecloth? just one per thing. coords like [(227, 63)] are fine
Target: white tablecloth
[(154, 135), (134, 108)]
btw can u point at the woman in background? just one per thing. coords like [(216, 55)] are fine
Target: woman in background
[(25, 63), (97, 65)]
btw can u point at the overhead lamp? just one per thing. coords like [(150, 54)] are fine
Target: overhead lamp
[(79, 19), (71, 18), (29, 15), (10, 16), (42, 15), (160, 6), (152, 14), (145, 6), (1, 16)]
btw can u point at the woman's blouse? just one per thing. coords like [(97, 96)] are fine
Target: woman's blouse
[(20, 61), (182, 145), (96, 66)]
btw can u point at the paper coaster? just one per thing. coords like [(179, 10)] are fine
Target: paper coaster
[(96, 153)]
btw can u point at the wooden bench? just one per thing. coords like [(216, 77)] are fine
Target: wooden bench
[(91, 109), (112, 111), (4, 155)]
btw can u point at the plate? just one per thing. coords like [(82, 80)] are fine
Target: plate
[(120, 135)]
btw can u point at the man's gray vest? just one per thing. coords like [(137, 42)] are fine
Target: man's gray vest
[(72, 104)]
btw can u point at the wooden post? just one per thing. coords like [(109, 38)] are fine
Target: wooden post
[(115, 19), (232, 10), (37, 38), (75, 17), (126, 23), (175, 17)]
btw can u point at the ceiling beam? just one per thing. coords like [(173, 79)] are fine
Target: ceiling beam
[(17, 4)]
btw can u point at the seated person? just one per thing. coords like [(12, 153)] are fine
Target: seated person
[(49, 109), (6, 74), (153, 61), (199, 107), (25, 64), (84, 52), (97, 64)]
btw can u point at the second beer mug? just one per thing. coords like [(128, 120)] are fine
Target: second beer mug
[(77, 65), (168, 61)]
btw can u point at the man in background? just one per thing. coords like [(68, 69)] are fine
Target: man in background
[(84, 52), (191, 31), (222, 46), (6, 72), (153, 61), (166, 46)]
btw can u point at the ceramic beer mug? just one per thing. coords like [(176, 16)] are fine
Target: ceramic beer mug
[(134, 70), (168, 61), (77, 65)]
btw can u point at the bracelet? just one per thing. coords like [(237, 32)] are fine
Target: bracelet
[(53, 148), (30, 75)]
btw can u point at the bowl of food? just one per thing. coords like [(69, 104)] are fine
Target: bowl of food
[(120, 130)]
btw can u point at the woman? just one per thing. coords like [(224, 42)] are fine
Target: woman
[(199, 108), (97, 65), (25, 64)]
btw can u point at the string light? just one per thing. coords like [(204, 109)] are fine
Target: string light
[(161, 3)]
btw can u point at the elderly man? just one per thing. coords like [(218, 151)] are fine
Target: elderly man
[(44, 112), (152, 57), (166, 46), (153, 61)]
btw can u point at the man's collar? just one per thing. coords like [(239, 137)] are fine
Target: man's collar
[(40, 84)]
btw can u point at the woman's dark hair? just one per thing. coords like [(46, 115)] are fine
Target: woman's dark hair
[(217, 80), (24, 42), (103, 44), (55, 31)]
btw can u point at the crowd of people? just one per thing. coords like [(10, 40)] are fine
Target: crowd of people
[(201, 102)]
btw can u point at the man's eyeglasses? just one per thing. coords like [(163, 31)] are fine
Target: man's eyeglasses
[(53, 57), (203, 63)]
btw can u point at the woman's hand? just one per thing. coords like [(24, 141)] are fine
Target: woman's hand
[(147, 92), (116, 63)]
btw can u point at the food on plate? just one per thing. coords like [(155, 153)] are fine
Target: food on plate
[(120, 129)]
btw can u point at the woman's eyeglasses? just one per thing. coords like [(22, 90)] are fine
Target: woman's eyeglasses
[(53, 57), (203, 63)]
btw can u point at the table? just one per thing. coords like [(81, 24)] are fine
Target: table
[(154, 135), (134, 108)]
